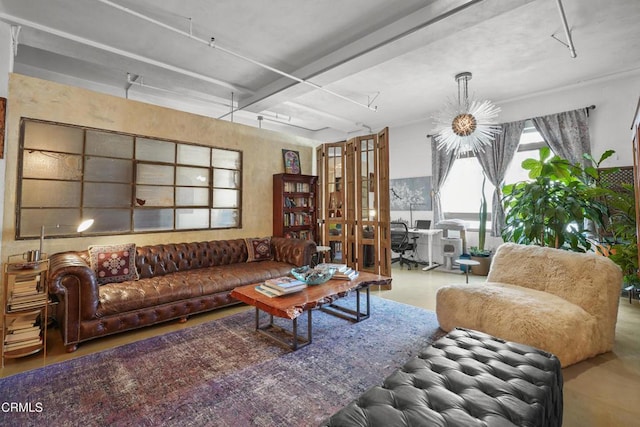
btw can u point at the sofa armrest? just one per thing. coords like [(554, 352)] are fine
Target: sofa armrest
[(297, 252), (75, 285)]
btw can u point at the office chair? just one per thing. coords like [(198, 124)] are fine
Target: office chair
[(400, 243)]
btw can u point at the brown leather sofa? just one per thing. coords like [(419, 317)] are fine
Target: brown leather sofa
[(176, 280)]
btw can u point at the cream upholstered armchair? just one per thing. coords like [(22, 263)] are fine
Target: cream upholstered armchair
[(562, 302)]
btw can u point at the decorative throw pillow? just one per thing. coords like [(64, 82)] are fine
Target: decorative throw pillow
[(114, 263), (259, 249)]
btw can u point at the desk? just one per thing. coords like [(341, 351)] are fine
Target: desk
[(429, 233)]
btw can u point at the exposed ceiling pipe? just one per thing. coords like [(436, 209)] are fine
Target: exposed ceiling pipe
[(211, 43), (30, 24), (280, 122), (324, 114), (139, 81), (567, 32), (15, 38), (275, 117)]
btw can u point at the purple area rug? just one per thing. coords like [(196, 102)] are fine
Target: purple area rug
[(222, 373)]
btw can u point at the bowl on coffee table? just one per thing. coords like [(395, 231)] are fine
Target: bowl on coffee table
[(313, 276)]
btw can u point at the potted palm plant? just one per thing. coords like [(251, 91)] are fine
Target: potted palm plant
[(479, 253)]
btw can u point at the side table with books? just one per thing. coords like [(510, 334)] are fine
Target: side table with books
[(24, 308)]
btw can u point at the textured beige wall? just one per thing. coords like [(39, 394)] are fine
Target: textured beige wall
[(262, 155)]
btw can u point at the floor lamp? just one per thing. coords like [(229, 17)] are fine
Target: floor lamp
[(83, 226)]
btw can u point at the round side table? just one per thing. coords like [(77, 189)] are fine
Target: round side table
[(468, 263)]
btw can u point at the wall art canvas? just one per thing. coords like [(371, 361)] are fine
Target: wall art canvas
[(410, 194), (291, 161)]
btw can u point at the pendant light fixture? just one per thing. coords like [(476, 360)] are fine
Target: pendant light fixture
[(465, 124)]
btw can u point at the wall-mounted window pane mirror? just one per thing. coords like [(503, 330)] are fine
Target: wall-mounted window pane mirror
[(126, 183)]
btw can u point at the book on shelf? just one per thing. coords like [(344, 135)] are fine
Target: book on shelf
[(23, 322), (36, 296), (22, 344), (31, 279), (23, 331), (23, 305), (18, 292), (296, 187), (22, 336), (28, 278)]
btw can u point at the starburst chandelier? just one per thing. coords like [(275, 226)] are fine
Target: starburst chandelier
[(465, 124)]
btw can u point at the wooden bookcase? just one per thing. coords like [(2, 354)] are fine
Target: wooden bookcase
[(25, 309), (295, 198)]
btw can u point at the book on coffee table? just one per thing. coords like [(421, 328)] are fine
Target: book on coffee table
[(348, 274), (285, 285), (267, 291), (340, 268)]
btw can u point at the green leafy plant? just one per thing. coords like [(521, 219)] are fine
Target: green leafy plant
[(620, 232), (551, 209)]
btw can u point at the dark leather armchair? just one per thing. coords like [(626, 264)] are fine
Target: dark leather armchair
[(401, 244)]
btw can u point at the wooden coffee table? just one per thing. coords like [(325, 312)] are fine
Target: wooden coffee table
[(312, 297)]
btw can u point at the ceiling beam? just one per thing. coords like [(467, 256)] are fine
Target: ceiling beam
[(395, 39)]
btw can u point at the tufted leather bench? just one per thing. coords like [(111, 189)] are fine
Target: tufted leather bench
[(466, 378)]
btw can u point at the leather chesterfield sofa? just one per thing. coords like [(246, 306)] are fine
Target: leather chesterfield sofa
[(175, 281), (465, 379)]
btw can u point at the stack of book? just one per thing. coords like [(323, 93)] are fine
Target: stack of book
[(280, 286), (27, 294), (22, 332), (342, 271)]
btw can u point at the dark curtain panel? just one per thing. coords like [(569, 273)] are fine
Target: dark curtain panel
[(441, 163), (566, 133), (495, 161)]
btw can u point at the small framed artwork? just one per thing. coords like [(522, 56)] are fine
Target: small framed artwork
[(291, 161)]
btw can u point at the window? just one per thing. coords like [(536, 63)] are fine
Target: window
[(126, 183), (460, 192)]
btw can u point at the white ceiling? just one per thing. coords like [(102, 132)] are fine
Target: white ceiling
[(398, 56)]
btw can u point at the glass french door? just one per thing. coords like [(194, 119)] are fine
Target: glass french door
[(355, 214)]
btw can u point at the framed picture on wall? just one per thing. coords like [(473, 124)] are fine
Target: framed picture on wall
[(291, 161)]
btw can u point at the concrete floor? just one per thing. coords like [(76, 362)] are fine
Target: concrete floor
[(602, 391)]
